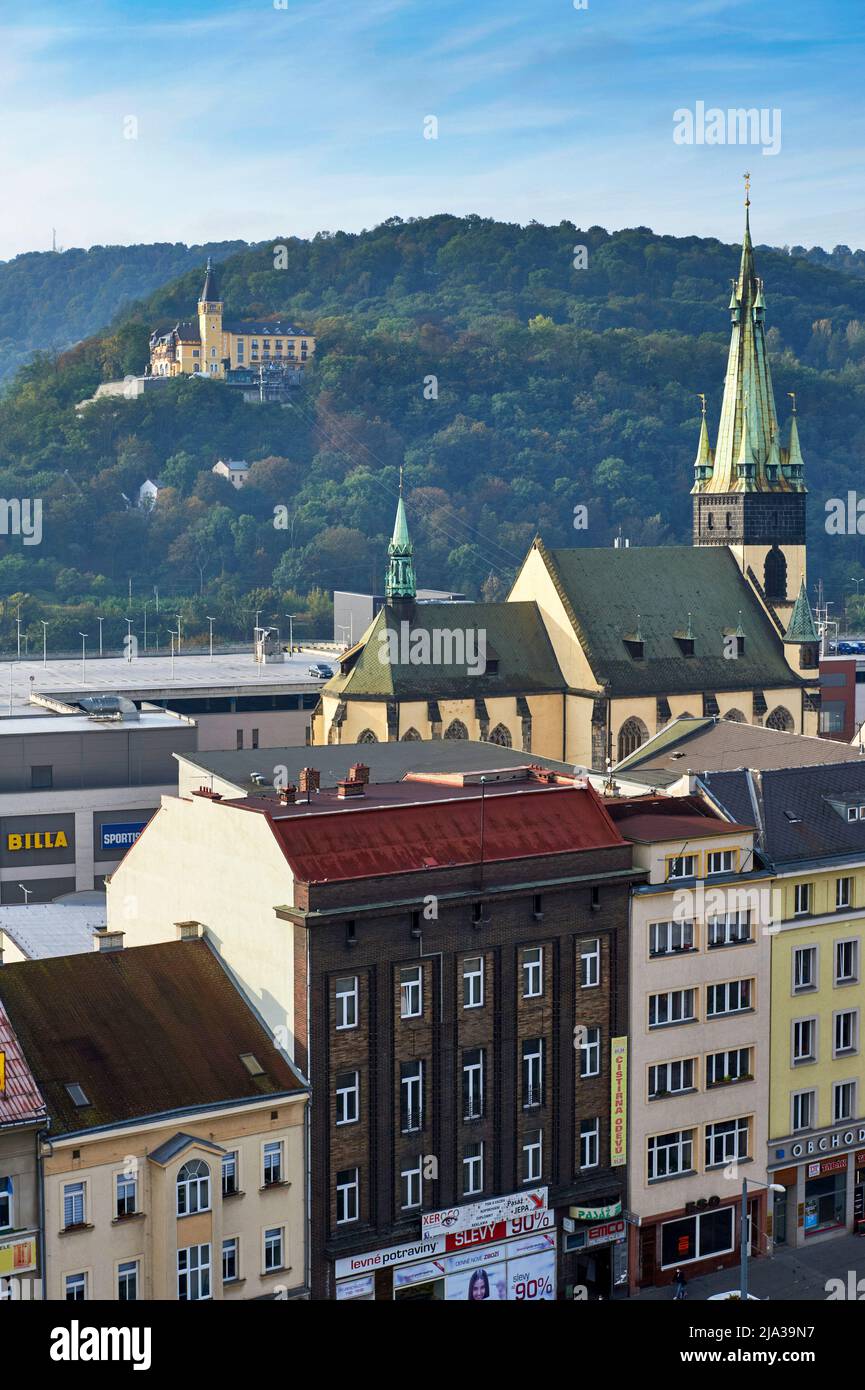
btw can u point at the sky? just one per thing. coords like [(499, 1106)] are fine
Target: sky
[(204, 120)]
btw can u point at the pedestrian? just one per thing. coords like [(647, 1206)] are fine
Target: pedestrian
[(681, 1288)]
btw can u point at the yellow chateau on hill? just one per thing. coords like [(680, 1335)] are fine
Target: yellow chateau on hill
[(210, 346)]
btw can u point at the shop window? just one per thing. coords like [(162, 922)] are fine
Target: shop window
[(698, 1237)]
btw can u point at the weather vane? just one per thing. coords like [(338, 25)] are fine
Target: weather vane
[(747, 178), (702, 399), (792, 395)]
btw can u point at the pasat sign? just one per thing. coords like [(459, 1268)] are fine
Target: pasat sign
[(482, 1213)]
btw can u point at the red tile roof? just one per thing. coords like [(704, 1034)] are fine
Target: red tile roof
[(21, 1102), (376, 840)]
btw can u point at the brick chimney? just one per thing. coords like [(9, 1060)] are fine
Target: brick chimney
[(106, 940), (287, 795), (359, 772), (349, 786), (208, 794), (309, 780)]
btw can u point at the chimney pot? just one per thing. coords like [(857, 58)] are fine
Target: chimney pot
[(359, 772), (348, 786), (287, 794), (106, 940), (309, 780)]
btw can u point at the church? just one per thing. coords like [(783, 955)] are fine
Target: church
[(212, 346), (595, 650)]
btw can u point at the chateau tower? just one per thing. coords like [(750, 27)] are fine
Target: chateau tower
[(400, 585), (748, 491), (210, 325)]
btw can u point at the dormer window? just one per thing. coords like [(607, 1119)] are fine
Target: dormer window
[(635, 647), (685, 643)]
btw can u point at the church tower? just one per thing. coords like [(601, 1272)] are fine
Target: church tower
[(400, 586), (210, 325), (748, 491)]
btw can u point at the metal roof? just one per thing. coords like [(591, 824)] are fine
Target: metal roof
[(21, 1102), (41, 930)]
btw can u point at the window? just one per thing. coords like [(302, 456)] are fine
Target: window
[(41, 778), (230, 1260), (411, 991), (127, 1281), (533, 972), (682, 866), (671, 1078), (804, 1040), (843, 1101), (255, 738), (697, 1237), (532, 1155), (193, 1187), (347, 1097), (473, 1084), (410, 1185), (722, 1068), (76, 1288), (74, 1211), (193, 1273), (803, 1109), (239, 739), (346, 1002), (843, 892), (590, 1053), (272, 1167), (670, 1154), (729, 929), (590, 963), (273, 1258), (533, 1072), (676, 1006), (802, 899), (732, 997), (473, 1169), (347, 1195), (473, 982), (6, 1190), (846, 962), (590, 1143), (126, 1194), (411, 1096), (846, 1032), (230, 1184), (668, 938), (720, 861), (804, 969), (726, 1141)]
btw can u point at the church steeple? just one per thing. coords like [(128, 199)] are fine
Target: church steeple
[(400, 579), (209, 293)]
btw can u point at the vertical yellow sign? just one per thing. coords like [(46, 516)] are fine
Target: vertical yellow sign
[(2, 1072), (618, 1102)]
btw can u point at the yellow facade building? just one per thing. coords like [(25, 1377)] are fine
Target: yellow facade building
[(211, 346)]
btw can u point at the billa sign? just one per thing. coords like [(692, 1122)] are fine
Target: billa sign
[(37, 839), (618, 1102)]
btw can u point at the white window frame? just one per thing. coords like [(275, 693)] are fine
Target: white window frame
[(813, 952), (128, 1271), (346, 1003), (679, 995), (727, 859), (233, 1244), (532, 1150), (686, 863), (853, 943), (663, 1077), (193, 1265), (74, 1201), (590, 1052), (662, 939), (473, 1084), (837, 1016), (801, 899), (590, 1143), (411, 991), (78, 1281), (192, 1186), (741, 1066), (532, 1072), (273, 1249), (348, 1195), (798, 1057), (473, 982), (272, 1163), (798, 1099), (590, 963), (473, 1169), (726, 928), (230, 1164), (727, 1141), (533, 971), (347, 1098), (125, 1180), (681, 1145), (411, 1089), (411, 1185), (843, 892), (733, 992)]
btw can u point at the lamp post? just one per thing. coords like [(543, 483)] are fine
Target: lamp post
[(291, 620), (211, 621), (44, 641), (145, 606), (172, 634), (744, 1234), (100, 621), (177, 616), (83, 636), (128, 622)]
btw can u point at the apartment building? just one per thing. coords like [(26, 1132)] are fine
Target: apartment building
[(811, 827), (172, 1158), (699, 1024), (446, 959)]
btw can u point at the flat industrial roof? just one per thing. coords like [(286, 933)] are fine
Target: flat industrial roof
[(35, 722), (152, 677), (42, 930)]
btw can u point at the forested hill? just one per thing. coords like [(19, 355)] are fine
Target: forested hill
[(51, 299), (514, 384)]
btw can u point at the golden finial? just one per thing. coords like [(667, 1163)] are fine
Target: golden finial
[(747, 178), (400, 479), (702, 399), (792, 395)]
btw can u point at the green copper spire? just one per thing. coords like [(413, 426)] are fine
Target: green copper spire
[(400, 579), (801, 627)]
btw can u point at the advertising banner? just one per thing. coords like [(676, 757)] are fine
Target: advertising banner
[(618, 1102), (481, 1213)]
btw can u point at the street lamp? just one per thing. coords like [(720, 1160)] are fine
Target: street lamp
[(100, 621), (744, 1235), (177, 616), (172, 634), (44, 641), (211, 621), (83, 636), (291, 620)]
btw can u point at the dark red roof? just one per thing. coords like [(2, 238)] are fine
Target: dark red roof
[(652, 818), (376, 840), (20, 1102)]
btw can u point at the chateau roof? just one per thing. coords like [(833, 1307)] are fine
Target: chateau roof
[(802, 810), (606, 591), (210, 293), (266, 330), (515, 639)]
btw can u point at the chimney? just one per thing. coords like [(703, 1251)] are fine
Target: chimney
[(347, 786), (208, 794), (309, 780), (106, 940), (189, 931), (359, 772), (286, 795)]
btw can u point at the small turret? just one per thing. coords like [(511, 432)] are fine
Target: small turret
[(400, 583)]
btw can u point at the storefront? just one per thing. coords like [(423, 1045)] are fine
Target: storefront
[(17, 1268), (510, 1258), (703, 1237), (823, 1176), (595, 1247)]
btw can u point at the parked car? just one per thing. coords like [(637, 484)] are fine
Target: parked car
[(320, 671)]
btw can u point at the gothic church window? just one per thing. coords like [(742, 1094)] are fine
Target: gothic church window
[(782, 719), (367, 737), (775, 574), (632, 733), (501, 736), (456, 729)]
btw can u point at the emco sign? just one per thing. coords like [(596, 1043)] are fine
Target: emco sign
[(119, 837)]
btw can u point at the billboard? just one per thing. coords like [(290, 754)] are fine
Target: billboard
[(482, 1213), (619, 1102), (116, 839)]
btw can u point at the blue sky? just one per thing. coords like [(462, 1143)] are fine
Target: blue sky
[(255, 121)]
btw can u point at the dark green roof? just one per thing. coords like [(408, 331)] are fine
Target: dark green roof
[(801, 627), (605, 591), (515, 639)]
